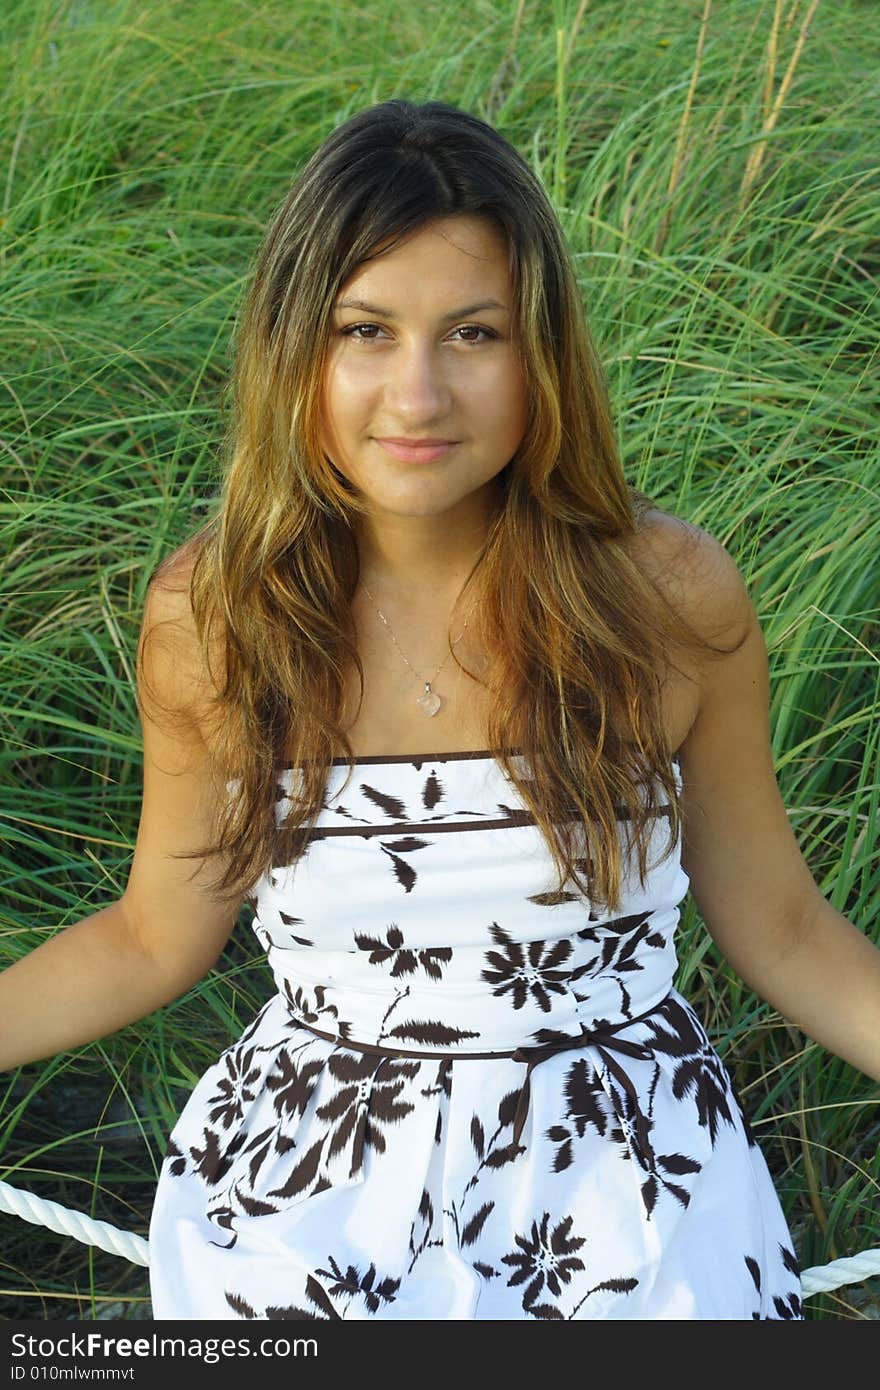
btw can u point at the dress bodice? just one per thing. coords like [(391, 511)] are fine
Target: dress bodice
[(424, 912)]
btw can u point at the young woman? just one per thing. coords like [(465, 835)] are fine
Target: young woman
[(462, 716)]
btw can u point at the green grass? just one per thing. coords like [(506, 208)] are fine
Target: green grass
[(720, 193)]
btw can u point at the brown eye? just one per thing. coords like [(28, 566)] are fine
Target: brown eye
[(352, 332), (474, 328)]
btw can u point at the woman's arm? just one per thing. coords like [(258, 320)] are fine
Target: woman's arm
[(165, 932), (749, 879)]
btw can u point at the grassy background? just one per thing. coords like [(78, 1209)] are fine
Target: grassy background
[(714, 167)]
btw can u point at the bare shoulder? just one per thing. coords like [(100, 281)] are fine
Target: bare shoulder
[(177, 674), (746, 872), (170, 904), (170, 584), (696, 575)]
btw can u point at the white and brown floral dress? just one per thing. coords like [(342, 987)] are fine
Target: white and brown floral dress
[(601, 1167)]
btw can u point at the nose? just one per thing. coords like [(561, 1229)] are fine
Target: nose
[(417, 389)]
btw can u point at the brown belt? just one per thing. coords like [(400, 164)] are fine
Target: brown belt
[(604, 1039)]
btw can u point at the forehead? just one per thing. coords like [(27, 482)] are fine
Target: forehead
[(446, 251)]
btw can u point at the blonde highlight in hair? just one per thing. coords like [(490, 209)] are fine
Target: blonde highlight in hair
[(579, 634)]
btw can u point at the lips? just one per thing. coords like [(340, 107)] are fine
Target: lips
[(414, 452)]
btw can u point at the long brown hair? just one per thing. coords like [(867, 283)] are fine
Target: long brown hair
[(580, 635)]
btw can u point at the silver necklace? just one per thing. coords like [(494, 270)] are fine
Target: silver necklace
[(430, 702)]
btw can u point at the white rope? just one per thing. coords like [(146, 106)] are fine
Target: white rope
[(852, 1269), (818, 1279), (53, 1215)]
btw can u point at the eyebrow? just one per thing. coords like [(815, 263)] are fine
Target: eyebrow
[(462, 313)]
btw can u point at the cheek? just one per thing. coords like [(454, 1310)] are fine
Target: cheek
[(348, 392), (337, 399), (516, 405), (498, 410)]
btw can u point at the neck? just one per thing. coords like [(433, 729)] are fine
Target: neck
[(423, 559)]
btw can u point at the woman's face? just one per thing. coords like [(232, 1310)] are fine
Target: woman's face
[(425, 356)]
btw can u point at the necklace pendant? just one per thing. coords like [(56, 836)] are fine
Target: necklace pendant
[(429, 702)]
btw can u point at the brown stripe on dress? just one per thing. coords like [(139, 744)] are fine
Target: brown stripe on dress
[(515, 818), (604, 1037), (379, 759)]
